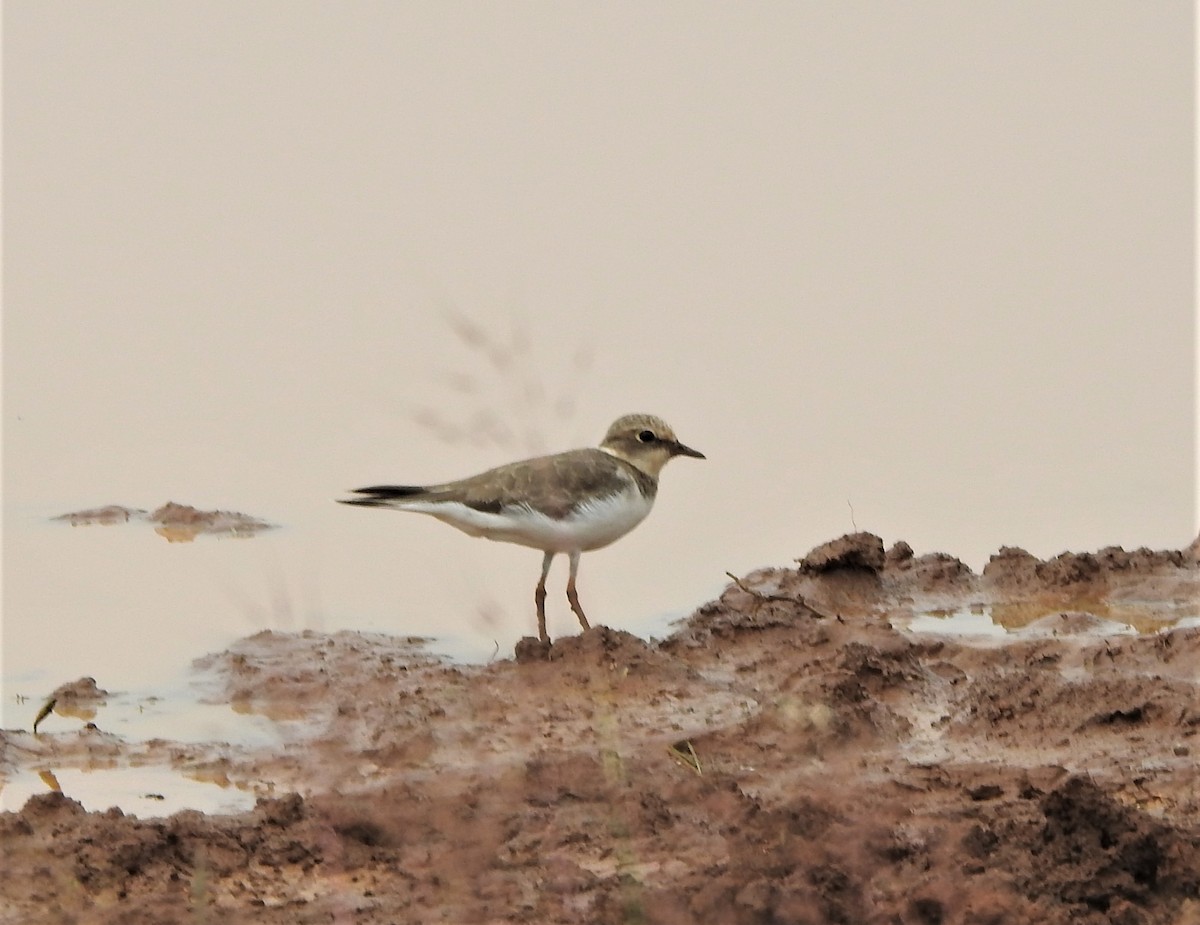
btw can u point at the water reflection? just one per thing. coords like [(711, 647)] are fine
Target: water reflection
[(176, 523), (1095, 616), (1139, 616), (145, 791), (78, 699), (149, 753)]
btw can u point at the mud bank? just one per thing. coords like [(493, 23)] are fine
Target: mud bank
[(798, 751), (176, 523)]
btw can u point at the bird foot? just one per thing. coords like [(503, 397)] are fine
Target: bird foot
[(529, 649)]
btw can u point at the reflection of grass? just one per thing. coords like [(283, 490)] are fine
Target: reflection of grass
[(508, 403), (499, 398)]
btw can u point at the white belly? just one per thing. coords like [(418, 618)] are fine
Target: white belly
[(591, 526)]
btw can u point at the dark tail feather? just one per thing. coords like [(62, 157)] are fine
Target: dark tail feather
[(380, 495)]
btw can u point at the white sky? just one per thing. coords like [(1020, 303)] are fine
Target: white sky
[(933, 260)]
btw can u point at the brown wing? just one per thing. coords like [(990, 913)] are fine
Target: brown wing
[(552, 484)]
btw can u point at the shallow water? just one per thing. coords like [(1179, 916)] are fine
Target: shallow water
[(144, 791), (126, 607), (970, 622), (130, 609), (1103, 617), (183, 711), (175, 713)]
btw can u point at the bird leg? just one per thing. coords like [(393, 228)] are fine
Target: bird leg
[(539, 598), (572, 597)]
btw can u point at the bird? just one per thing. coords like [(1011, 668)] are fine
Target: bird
[(571, 502)]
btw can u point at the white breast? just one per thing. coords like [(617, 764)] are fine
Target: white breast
[(590, 526)]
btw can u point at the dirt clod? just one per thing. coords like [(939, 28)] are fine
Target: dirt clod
[(854, 551)]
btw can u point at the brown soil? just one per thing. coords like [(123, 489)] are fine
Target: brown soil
[(793, 754), (176, 523)]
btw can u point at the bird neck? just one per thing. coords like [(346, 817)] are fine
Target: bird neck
[(644, 471)]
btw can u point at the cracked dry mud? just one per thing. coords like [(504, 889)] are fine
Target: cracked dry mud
[(762, 764)]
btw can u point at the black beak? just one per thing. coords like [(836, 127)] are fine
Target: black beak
[(678, 449)]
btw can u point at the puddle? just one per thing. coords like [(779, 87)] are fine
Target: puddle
[(1134, 615), (161, 724), (1030, 618), (175, 713), (972, 622), (147, 791), (171, 715)]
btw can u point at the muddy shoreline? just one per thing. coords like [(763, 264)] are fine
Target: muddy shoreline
[(795, 752), (176, 523)]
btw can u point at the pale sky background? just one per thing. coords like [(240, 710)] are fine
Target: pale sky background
[(931, 261)]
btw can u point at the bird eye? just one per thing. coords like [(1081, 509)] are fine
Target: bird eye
[(646, 436)]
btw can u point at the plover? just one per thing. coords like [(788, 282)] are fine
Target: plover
[(570, 502)]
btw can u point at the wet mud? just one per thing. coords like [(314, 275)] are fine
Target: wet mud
[(176, 523), (795, 752)]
